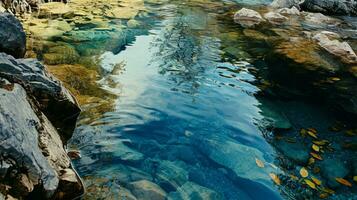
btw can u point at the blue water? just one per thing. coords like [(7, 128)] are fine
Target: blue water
[(184, 114)]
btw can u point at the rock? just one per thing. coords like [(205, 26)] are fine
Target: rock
[(61, 54), (273, 118), (318, 19), (297, 152), (247, 17), (55, 10), (12, 36), (56, 102), (69, 184), (146, 190), (289, 11), (234, 156), (171, 174), (331, 7), (275, 18), (20, 131), (23, 185), (341, 50), (191, 190), (332, 168), (285, 3)]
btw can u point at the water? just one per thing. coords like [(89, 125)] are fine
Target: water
[(181, 105)]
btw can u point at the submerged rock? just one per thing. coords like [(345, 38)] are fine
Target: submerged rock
[(191, 190), (12, 36), (275, 18), (146, 190), (333, 168), (247, 17), (297, 152)]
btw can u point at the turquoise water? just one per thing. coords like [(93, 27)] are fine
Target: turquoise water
[(187, 116)]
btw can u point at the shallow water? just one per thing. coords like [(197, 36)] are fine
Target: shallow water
[(184, 110)]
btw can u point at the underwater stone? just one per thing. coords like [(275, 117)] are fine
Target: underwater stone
[(146, 190), (192, 190), (333, 168), (297, 152)]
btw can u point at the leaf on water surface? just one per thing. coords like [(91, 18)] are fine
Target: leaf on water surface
[(310, 184), (323, 195), (259, 163), (316, 181), (293, 177), (355, 178), (312, 134), (304, 173), (316, 170), (311, 161), (275, 178), (315, 148), (351, 133), (328, 190), (315, 155), (344, 182), (303, 132), (335, 79), (320, 142)]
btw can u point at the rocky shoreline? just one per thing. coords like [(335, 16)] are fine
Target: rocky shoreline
[(37, 117)]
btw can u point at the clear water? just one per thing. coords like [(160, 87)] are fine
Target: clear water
[(185, 115)]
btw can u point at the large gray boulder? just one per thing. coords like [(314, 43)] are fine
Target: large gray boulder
[(12, 36), (331, 7), (55, 101), (32, 151)]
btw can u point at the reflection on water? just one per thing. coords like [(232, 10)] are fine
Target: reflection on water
[(179, 122)]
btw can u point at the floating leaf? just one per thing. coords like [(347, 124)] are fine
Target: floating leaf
[(310, 184), (311, 161), (344, 182), (303, 132), (316, 170), (259, 163), (328, 190), (315, 148), (320, 142), (316, 181), (294, 177), (323, 195), (335, 79), (303, 172), (275, 178), (351, 133), (312, 134), (315, 155), (312, 130)]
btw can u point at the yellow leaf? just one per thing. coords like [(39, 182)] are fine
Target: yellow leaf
[(315, 148), (311, 161), (344, 182), (304, 173), (315, 155), (316, 181), (312, 134), (294, 177), (303, 132), (312, 130), (310, 183), (275, 178), (320, 142), (259, 163), (323, 195), (355, 178), (328, 190), (335, 79)]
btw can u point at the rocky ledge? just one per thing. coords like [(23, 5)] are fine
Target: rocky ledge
[(37, 117)]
